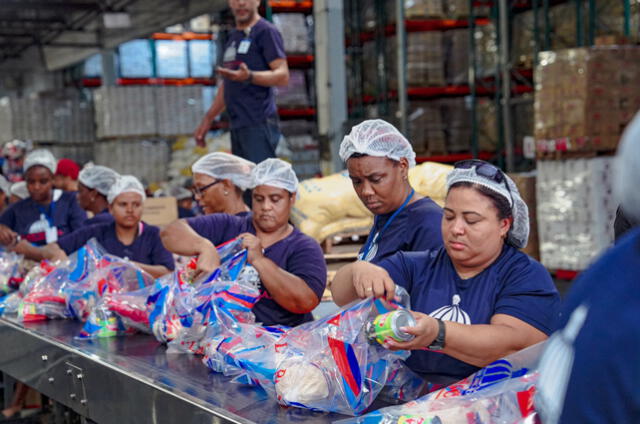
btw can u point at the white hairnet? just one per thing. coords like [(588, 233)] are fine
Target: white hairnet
[(126, 184), (627, 170), (41, 157), (519, 233), (20, 190), (224, 166), (376, 137), (99, 178), (274, 173), (5, 186)]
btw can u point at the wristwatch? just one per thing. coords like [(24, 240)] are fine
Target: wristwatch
[(438, 343)]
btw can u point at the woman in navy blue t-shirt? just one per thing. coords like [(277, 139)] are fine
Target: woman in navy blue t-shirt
[(378, 158), (47, 213), (291, 265), (94, 184), (126, 237), (476, 299)]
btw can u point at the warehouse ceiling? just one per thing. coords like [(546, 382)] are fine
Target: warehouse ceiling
[(38, 35)]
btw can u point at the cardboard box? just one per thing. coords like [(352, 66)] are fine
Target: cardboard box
[(160, 211), (526, 184)]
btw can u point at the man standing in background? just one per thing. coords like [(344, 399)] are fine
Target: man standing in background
[(254, 63)]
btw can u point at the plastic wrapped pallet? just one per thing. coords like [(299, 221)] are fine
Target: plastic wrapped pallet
[(427, 127), (125, 111), (6, 120), (575, 210), (523, 43), (488, 126), (184, 152), (147, 159), (458, 124), (585, 97), (425, 54), (179, 109), (457, 56), (79, 153), (296, 93), (423, 9), (295, 31)]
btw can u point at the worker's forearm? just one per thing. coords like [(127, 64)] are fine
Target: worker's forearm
[(179, 238), (277, 77), (342, 289), (30, 251), (286, 289)]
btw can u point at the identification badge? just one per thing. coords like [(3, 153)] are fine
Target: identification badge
[(243, 48), (51, 234), (229, 54)]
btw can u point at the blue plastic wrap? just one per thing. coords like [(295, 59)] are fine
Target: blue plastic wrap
[(135, 59)]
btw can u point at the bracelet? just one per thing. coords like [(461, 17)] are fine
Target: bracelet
[(250, 79)]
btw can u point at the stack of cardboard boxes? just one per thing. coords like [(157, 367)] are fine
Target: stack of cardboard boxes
[(585, 97)]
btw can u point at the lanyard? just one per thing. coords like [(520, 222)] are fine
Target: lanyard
[(371, 240), (51, 209)]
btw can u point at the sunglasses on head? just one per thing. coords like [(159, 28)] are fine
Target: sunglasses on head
[(485, 170)]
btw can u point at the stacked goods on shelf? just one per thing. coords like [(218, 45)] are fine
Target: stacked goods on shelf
[(427, 128), (523, 119), (575, 211), (147, 159), (522, 42), (179, 109), (610, 18), (425, 59), (295, 30), (457, 56), (134, 111), (51, 117), (458, 131), (585, 97), (125, 111), (296, 94), (487, 125), (303, 147), (414, 9), (526, 183)]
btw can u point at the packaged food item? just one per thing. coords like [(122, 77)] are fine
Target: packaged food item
[(389, 326)]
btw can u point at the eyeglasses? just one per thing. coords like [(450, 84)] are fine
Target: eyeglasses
[(485, 170), (199, 191)]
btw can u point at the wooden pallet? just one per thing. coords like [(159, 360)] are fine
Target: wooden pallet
[(351, 238)]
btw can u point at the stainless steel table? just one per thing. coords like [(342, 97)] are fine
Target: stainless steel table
[(132, 379)]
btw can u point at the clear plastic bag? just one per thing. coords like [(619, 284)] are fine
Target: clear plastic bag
[(10, 277), (501, 393), (45, 292), (326, 365)]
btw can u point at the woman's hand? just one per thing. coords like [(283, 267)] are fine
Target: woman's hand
[(253, 246), (7, 236), (425, 330), (372, 280), (208, 260)]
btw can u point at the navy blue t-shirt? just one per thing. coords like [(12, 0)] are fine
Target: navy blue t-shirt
[(147, 248), (250, 104), (593, 362), (297, 254), (103, 217), (23, 217), (514, 285), (416, 228)]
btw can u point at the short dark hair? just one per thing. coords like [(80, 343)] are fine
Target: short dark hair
[(364, 155), (499, 202)]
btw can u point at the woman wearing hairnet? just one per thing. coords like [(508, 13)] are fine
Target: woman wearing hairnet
[(219, 180), (476, 299), (48, 213), (94, 183), (291, 265), (590, 368), (378, 158), (127, 236)]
